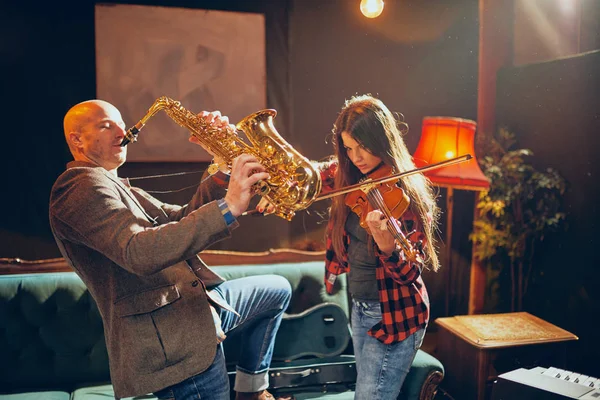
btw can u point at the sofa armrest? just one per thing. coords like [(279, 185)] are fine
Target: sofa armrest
[(423, 379), (430, 386)]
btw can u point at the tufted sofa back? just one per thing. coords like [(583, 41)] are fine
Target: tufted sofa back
[(51, 334)]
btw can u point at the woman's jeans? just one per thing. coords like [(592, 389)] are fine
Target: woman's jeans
[(381, 368), (260, 302)]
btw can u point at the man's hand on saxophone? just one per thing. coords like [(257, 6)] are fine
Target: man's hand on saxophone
[(245, 172), (218, 121)]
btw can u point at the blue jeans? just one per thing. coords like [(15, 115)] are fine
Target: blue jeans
[(260, 301), (381, 368)]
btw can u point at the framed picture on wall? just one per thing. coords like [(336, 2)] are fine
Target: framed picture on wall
[(206, 59)]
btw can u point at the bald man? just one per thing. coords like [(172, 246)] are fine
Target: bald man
[(164, 311)]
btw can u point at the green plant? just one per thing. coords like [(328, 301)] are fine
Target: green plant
[(521, 206)]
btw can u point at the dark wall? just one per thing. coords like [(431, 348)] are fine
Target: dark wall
[(420, 58), (553, 109)]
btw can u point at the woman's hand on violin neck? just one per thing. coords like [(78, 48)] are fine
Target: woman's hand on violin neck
[(377, 223)]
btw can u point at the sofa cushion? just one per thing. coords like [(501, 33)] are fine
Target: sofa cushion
[(106, 392), (103, 392), (37, 396), (325, 396)]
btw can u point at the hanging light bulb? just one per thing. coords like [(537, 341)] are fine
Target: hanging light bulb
[(371, 8)]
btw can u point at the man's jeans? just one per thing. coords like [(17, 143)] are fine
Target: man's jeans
[(381, 368), (260, 301)]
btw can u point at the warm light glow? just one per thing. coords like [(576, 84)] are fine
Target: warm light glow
[(371, 8), (443, 138), (568, 6), (550, 28)]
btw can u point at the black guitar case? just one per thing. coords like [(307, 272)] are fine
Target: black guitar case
[(308, 352), (320, 331), (329, 374)]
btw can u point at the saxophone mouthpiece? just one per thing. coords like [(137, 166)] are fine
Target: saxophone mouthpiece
[(131, 135)]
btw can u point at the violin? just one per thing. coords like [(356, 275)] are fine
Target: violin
[(390, 199)]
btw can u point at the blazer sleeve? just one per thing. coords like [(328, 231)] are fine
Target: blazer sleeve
[(211, 187), (87, 208)]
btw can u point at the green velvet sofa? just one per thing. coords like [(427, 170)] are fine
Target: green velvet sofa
[(51, 337)]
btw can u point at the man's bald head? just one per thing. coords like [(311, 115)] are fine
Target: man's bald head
[(94, 130), (81, 114)]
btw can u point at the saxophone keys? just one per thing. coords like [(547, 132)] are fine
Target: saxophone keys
[(213, 169), (261, 188)]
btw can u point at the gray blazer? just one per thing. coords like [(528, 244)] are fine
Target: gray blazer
[(143, 272)]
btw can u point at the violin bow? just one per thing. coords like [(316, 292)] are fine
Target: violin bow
[(372, 183)]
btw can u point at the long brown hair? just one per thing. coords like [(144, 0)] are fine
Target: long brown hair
[(372, 125)]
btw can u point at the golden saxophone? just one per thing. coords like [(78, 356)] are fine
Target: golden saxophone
[(294, 182)]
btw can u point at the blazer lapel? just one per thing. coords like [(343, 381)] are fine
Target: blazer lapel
[(133, 198)]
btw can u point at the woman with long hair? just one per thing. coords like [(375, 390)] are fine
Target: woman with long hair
[(390, 305)]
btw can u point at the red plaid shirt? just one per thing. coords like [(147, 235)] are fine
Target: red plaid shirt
[(402, 293)]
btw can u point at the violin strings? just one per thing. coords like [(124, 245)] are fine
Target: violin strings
[(377, 200), (394, 228)]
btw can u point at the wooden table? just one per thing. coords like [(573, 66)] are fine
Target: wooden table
[(475, 349)]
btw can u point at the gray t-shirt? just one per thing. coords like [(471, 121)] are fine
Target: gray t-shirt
[(362, 281)]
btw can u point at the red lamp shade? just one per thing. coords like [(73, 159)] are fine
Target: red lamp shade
[(443, 138)]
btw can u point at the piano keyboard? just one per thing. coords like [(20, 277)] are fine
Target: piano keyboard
[(569, 376), (545, 384)]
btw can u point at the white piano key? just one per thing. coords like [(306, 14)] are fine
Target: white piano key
[(538, 370), (566, 376), (591, 382), (574, 377), (583, 379), (554, 372)]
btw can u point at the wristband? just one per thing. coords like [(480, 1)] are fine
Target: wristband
[(230, 220)]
